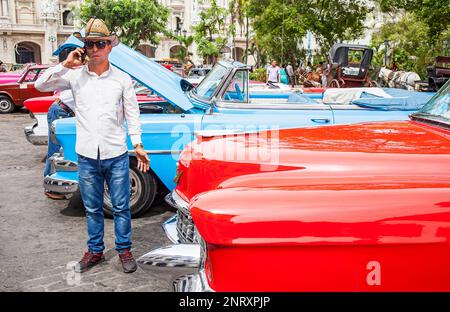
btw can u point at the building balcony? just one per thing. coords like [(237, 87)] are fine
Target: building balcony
[(23, 28), (66, 29), (177, 5)]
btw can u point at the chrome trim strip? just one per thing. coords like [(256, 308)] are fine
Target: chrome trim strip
[(170, 228), (219, 132), (177, 255), (175, 200), (293, 106)]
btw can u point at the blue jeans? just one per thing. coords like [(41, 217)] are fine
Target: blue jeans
[(92, 175), (54, 112)]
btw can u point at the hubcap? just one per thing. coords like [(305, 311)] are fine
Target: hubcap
[(4, 105), (135, 190)]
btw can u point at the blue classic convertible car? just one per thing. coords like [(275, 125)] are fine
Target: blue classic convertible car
[(221, 102)]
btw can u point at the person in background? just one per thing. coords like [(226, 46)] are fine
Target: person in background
[(188, 65), (290, 74), (2, 67), (319, 68), (308, 68), (325, 73), (273, 73)]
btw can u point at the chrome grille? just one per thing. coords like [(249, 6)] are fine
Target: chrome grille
[(185, 227)]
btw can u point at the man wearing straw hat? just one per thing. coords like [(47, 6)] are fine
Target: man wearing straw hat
[(104, 96)]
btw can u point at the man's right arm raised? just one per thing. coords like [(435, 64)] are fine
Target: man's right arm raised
[(55, 78)]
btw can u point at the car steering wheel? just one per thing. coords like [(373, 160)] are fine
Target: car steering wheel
[(238, 92)]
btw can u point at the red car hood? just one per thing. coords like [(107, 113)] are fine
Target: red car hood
[(349, 175), (340, 157)]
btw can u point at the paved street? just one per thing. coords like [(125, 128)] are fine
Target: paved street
[(39, 236)]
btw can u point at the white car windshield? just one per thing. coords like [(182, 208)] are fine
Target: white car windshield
[(439, 105), (206, 89)]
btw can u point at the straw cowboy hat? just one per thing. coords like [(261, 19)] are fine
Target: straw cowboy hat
[(96, 29)]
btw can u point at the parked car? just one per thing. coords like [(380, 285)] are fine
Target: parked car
[(197, 74), (9, 77), (13, 94), (361, 207), (222, 101)]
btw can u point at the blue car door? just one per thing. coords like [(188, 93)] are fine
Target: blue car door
[(237, 109), (164, 137)]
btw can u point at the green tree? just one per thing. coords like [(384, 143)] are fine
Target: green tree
[(134, 21), (435, 14), (210, 33), (411, 51), (185, 43), (280, 25), (238, 10)]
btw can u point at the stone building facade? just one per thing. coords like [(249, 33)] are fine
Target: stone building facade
[(31, 29)]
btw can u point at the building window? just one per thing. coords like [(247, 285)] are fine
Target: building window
[(179, 24), (3, 7), (28, 52), (68, 18)]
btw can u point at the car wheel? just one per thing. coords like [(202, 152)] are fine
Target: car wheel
[(6, 105), (143, 189)]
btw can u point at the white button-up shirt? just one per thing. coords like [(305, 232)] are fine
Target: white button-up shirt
[(101, 103), (67, 98)]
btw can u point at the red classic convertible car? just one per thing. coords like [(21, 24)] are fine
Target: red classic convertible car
[(362, 207), (13, 94)]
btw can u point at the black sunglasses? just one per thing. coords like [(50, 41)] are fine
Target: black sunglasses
[(99, 44)]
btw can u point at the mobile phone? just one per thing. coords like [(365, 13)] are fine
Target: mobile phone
[(83, 55)]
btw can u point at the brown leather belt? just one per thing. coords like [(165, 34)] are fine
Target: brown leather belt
[(65, 107)]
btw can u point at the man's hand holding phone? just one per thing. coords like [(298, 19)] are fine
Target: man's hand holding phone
[(75, 59)]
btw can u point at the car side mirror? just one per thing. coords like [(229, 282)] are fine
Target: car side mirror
[(186, 85)]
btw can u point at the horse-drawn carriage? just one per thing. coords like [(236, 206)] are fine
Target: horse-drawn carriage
[(349, 66)]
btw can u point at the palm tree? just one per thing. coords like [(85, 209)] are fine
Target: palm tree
[(238, 12)]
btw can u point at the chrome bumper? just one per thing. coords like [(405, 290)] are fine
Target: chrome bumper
[(60, 186), (188, 251), (178, 255), (182, 253), (195, 282), (183, 257), (37, 133)]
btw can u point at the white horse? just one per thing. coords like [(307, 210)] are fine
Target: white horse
[(398, 79)]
